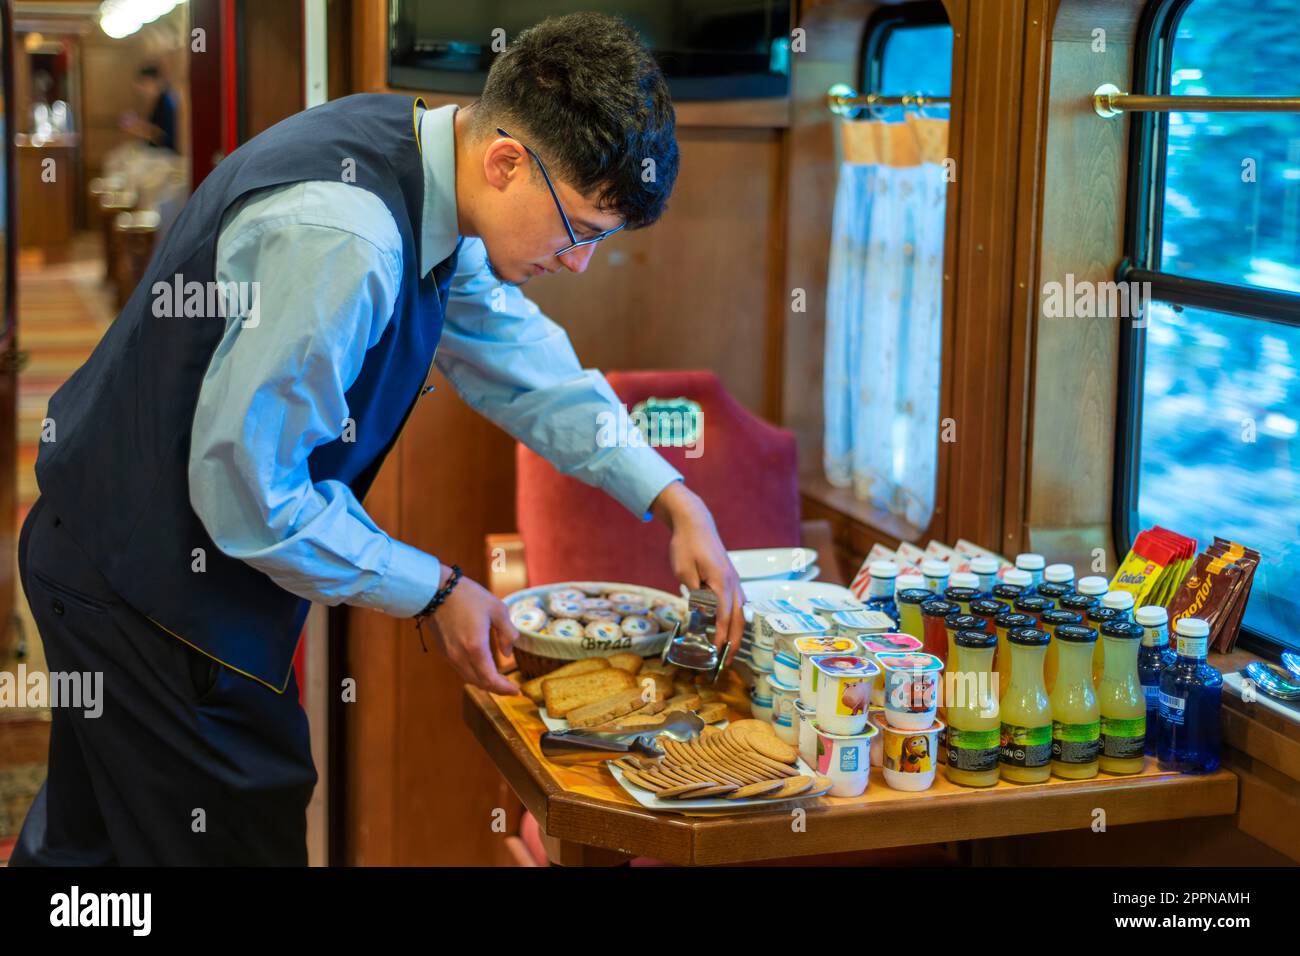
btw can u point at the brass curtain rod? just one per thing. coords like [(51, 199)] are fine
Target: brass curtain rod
[(841, 99), (1109, 101)]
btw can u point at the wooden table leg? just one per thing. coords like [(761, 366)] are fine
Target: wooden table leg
[(568, 853)]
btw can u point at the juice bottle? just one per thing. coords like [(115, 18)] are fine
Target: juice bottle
[(1004, 624), (954, 623), (961, 596), (1079, 603), (909, 601), (934, 634), (1120, 700), (1154, 656), (985, 570), (1098, 615), (1034, 564), (1076, 719), (1026, 752), (1191, 694), (1049, 622), (974, 726), (1055, 590), (1033, 605)]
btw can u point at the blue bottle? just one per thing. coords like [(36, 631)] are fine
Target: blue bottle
[(1154, 656), (880, 592), (1191, 692)]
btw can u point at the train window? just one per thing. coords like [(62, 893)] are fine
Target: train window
[(1210, 387), (884, 306)]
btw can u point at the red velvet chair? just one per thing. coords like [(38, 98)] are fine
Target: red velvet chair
[(745, 469)]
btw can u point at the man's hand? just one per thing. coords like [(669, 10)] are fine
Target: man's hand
[(467, 626), (699, 558)]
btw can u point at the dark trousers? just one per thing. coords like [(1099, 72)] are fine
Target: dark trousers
[(188, 761)]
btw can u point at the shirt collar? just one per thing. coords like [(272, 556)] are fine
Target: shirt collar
[(439, 230)]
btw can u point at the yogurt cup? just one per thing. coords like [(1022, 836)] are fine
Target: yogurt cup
[(911, 689), (786, 627), (808, 647), (760, 707), (846, 759), (876, 717), (807, 733), (858, 623), (762, 686), (910, 757), (843, 692), (877, 644), (785, 667), (760, 656), (761, 611), (785, 729), (783, 698)]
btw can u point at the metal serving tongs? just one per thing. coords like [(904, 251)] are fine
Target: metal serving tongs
[(581, 746), (694, 649)]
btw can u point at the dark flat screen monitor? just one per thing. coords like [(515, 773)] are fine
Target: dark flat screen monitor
[(708, 49)]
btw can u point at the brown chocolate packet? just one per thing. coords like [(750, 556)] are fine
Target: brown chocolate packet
[(1206, 593), (1248, 560)]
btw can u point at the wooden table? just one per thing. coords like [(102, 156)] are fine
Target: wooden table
[(583, 830)]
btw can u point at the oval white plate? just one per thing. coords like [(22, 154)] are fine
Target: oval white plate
[(760, 564)]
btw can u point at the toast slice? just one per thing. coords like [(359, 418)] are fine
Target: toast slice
[(564, 694), (587, 665), (610, 708)]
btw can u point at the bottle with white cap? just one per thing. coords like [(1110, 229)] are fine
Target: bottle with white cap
[(1093, 586), (1034, 564), (1191, 695), (1121, 601), (935, 572), (880, 593), (1153, 657), (985, 569), (1058, 581)]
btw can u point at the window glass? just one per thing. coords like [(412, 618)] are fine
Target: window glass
[(1232, 180), (1219, 448)]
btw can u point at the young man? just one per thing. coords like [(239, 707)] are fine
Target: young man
[(206, 468)]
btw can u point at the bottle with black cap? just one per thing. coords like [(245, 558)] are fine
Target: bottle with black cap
[(1026, 754), (1076, 719), (974, 722)]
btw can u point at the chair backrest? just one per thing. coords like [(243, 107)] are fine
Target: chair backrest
[(745, 469)]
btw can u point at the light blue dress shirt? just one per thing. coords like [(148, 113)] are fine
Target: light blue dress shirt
[(327, 258)]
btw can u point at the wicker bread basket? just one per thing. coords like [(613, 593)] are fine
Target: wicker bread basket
[(537, 653)]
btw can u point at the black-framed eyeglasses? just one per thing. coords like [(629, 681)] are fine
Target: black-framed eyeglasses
[(574, 241)]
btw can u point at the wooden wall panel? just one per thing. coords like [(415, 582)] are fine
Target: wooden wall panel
[(1084, 161)]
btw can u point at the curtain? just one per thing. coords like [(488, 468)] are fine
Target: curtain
[(884, 315)]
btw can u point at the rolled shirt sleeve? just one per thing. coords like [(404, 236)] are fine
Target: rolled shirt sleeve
[(327, 264), (515, 366)]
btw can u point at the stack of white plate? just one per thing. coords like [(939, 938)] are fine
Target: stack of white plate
[(775, 564)]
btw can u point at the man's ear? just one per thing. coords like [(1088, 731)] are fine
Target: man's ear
[(503, 162)]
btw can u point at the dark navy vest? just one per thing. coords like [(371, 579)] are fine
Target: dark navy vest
[(116, 472)]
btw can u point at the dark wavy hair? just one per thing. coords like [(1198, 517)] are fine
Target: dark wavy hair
[(584, 92)]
